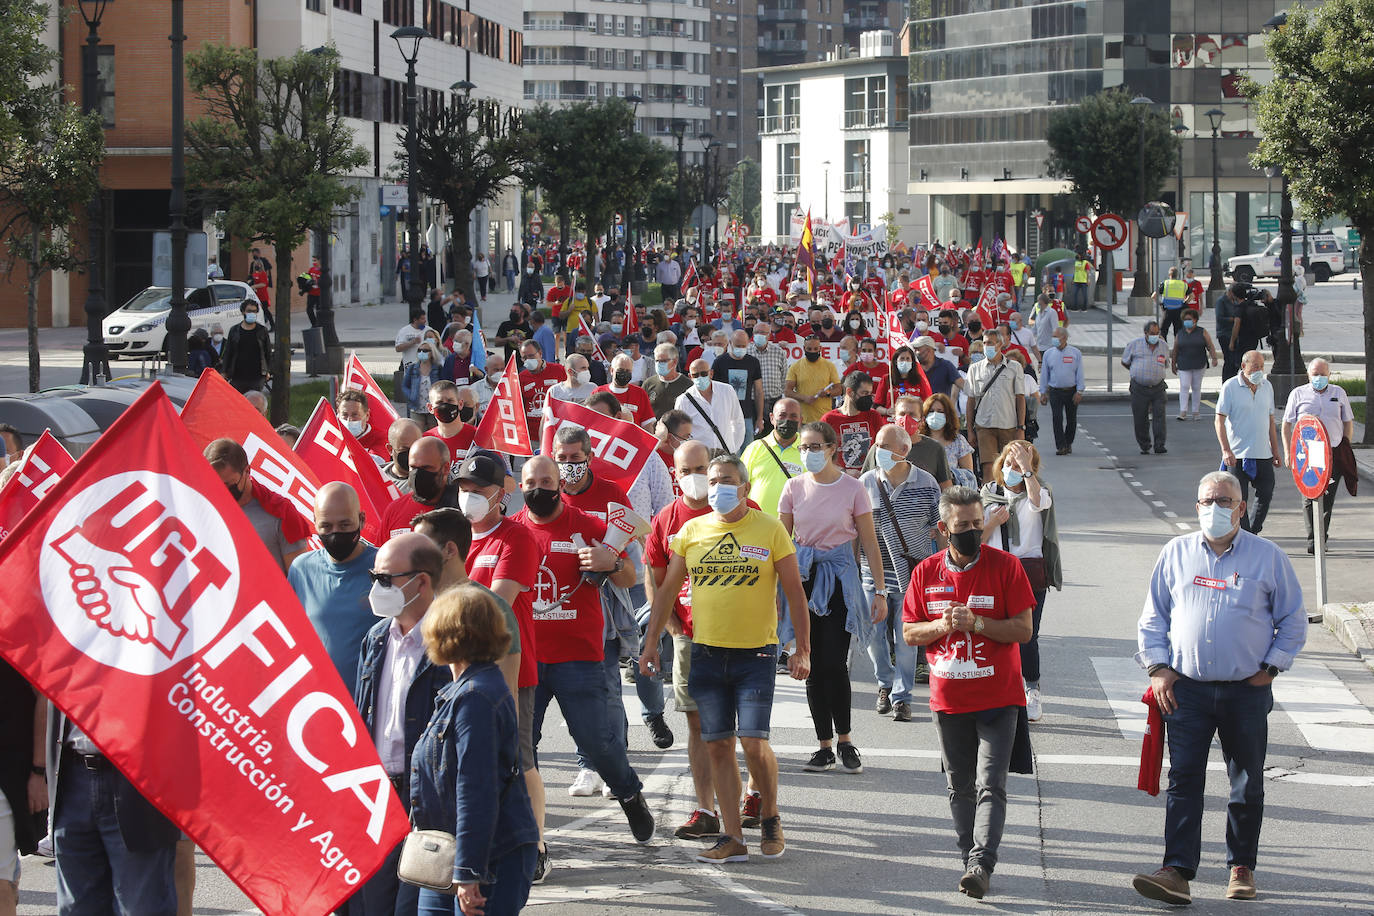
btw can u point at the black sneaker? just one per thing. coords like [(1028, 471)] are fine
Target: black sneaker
[(822, 760), (850, 762), (884, 705), (901, 711), (640, 817), (782, 663), (923, 673), (541, 865), (662, 734)]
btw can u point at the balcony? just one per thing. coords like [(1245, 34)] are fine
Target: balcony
[(858, 119), (666, 33), (855, 181), (866, 21), (559, 62), (787, 184), (556, 27), (782, 14), (779, 124), (782, 45)]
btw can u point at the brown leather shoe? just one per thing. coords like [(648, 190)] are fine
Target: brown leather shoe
[(1165, 885), (1242, 884)]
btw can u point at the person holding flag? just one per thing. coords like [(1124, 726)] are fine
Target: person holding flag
[(283, 531), (455, 409), (536, 378)]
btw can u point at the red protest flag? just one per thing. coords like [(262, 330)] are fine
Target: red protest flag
[(619, 449), (216, 410), (585, 327), (154, 618), (334, 454), (503, 427), (379, 406), (44, 466), (925, 285), (987, 310), (631, 324), (689, 276)]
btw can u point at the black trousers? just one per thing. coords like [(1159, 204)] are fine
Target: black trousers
[(1328, 499), (1173, 318), (1256, 511), (827, 688), (1064, 414), (1145, 400)]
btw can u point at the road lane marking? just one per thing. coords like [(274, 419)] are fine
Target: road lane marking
[(1168, 514), (1158, 502), (1122, 682), (1147, 492), (1324, 710)]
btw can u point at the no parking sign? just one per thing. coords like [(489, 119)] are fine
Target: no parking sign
[(1310, 456)]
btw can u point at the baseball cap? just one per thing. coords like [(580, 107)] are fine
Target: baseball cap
[(482, 469)]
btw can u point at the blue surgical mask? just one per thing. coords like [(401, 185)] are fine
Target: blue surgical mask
[(761, 340), (989, 352), (662, 368), (887, 460), (1215, 521), (1256, 377), (1152, 339), (1014, 323), (935, 420), (702, 382), (738, 352), (815, 461), (1319, 382), (1189, 324), (1012, 477), (250, 317), (724, 498)]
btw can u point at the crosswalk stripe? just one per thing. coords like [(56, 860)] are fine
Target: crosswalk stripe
[(1324, 710), (1123, 682)]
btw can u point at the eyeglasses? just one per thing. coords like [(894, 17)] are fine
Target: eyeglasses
[(701, 375), (811, 448), (385, 579), (1226, 502)]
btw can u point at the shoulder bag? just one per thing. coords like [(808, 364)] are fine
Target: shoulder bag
[(723, 449), (911, 559)]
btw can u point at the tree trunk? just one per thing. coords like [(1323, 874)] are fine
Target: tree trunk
[(1366, 262), (461, 241), (35, 274), (280, 408)]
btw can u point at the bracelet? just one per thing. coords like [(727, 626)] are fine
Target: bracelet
[(1155, 668)]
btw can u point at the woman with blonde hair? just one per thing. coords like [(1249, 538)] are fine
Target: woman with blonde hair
[(941, 423), (1018, 517), (465, 772)]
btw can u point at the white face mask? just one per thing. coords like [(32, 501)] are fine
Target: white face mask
[(217, 338), (388, 602), (474, 506), (1215, 521), (694, 486), (354, 426), (584, 376)]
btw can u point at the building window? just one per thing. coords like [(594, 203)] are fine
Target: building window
[(865, 101), (782, 108), (398, 12), (789, 166), (105, 72), (312, 6), (856, 165), (349, 6)]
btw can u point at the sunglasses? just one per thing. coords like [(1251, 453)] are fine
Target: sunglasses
[(385, 579)]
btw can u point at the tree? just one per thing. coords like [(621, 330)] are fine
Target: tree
[(272, 151), (744, 188), (1311, 118), (49, 169), (466, 156), (1096, 146), (24, 59)]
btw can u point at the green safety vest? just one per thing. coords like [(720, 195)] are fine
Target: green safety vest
[(1174, 293), (1080, 271)]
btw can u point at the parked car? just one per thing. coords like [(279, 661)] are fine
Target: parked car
[(1325, 254), (137, 328)]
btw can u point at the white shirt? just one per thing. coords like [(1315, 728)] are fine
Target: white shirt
[(652, 489), (485, 393), (724, 411), (563, 391), (1030, 527), (1026, 338), (411, 337), (403, 654)]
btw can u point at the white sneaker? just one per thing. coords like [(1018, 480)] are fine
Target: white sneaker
[(585, 784), (1033, 705), (45, 847), (606, 791)]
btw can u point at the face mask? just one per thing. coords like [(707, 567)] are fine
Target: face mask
[(786, 428), (339, 544), (1014, 324), (903, 366), (827, 323), (514, 316), (738, 352), (693, 486), (583, 376), (617, 328), (427, 485), (946, 329), (1319, 382), (864, 402), (1256, 377), (466, 414), (572, 471), (935, 421), (531, 365), (1152, 339), (235, 490), (989, 352), (529, 270), (855, 325), (813, 355), (761, 341), (474, 506), (703, 382), (622, 378), (847, 356), (922, 325), (974, 327), (724, 498), (1215, 521), (217, 338), (1189, 324), (815, 461), (250, 317), (388, 602), (445, 412), (401, 459), (689, 323), (355, 427), (886, 460), (966, 543), (661, 368), (1012, 477), (542, 502), (713, 350)]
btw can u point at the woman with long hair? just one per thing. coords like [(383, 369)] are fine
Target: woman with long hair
[(941, 423), (905, 378)]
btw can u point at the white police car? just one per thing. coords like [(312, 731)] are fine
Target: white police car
[(1325, 253), (138, 327)]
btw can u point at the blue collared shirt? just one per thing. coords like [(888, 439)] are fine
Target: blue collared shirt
[(1146, 363), (1249, 417), (1061, 369), (1219, 618)]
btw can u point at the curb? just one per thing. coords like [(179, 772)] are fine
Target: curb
[(1349, 630)]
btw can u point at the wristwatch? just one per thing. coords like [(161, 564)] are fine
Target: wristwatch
[(978, 624), (1270, 670), (619, 564)]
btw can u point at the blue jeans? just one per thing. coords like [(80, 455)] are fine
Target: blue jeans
[(506, 896), (580, 688), (1080, 296), (1238, 714), (384, 894), (733, 690), (650, 689), (97, 873), (610, 667), (901, 677)]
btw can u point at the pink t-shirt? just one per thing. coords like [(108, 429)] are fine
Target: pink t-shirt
[(823, 513)]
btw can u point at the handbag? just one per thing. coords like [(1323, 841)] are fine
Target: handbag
[(427, 860)]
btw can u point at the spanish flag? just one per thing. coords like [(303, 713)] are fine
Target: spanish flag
[(806, 256)]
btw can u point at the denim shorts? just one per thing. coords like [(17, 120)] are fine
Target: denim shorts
[(733, 690)]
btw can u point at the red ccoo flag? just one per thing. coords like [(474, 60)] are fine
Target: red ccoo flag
[(585, 327), (503, 427), (44, 466), (378, 404), (631, 325), (153, 617), (619, 449), (334, 454)]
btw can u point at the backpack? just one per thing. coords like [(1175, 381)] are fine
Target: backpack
[(1254, 319)]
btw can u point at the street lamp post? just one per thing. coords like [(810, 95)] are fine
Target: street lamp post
[(178, 322), (632, 273), (408, 39), (679, 129), (324, 309), (863, 188), (95, 359), (1216, 284), (1179, 130), (1141, 282), (826, 163), (705, 137)]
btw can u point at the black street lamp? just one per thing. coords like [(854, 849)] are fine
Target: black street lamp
[(178, 322), (95, 359), (1217, 283), (1141, 281), (705, 137), (633, 272), (679, 129), (1179, 130), (408, 39), (713, 193)]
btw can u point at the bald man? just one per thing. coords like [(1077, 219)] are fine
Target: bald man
[(429, 486), (257, 399), (332, 582), (400, 437), (632, 397), (741, 370)]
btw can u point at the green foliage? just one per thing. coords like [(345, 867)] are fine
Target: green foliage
[(1096, 146), (23, 60), (271, 152), (744, 189)]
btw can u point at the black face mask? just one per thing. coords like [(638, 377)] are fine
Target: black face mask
[(402, 460), (339, 544), (974, 327), (967, 543), (542, 502), (514, 316), (827, 323), (787, 428), (427, 485), (445, 412), (946, 329), (864, 403), (812, 356), (622, 378), (235, 490), (466, 413)]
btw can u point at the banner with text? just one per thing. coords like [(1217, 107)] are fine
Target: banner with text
[(619, 449), (44, 465), (334, 454)]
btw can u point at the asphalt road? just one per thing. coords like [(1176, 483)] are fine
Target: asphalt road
[(881, 842)]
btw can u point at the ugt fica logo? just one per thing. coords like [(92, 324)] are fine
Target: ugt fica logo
[(139, 571)]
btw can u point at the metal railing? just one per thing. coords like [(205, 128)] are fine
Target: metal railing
[(788, 182), (779, 124), (865, 117), (856, 181), (781, 44)]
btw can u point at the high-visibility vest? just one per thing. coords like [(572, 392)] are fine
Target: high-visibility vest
[(1174, 293), (1080, 271)]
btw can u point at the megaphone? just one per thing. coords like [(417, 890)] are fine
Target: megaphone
[(623, 525)]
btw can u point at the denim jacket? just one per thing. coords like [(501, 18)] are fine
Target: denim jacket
[(465, 775), (833, 569), (420, 698)]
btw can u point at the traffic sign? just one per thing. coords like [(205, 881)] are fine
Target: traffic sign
[(1267, 224), (1039, 219), (1082, 224), (536, 223), (1310, 456), (1352, 236), (1109, 231)]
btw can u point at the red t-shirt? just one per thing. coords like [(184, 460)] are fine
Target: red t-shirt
[(1193, 296), (396, 518), (557, 297), (833, 290), (504, 553), (784, 335), (1004, 282), (566, 609), (664, 527), (534, 387), (856, 434), (593, 500), (457, 445), (885, 393), (969, 672), (875, 287), (666, 456), (635, 401), (261, 287), (852, 301), (765, 295), (897, 299), (877, 370), (374, 440)]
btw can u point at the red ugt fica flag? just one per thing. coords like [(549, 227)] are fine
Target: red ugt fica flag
[(379, 406), (619, 449), (334, 454), (504, 426), (43, 468), (152, 615)]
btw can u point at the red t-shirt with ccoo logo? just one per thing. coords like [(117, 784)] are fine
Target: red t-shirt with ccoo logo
[(504, 553)]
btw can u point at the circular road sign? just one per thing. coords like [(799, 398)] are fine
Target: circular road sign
[(536, 222), (1083, 224), (1310, 456), (1109, 231)]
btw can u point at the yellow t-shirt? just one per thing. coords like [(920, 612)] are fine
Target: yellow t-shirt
[(1018, 272), (732, 572), (811, 378), (766, 479)]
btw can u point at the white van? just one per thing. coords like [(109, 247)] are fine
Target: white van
[(1325, 253), (137, 328)]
